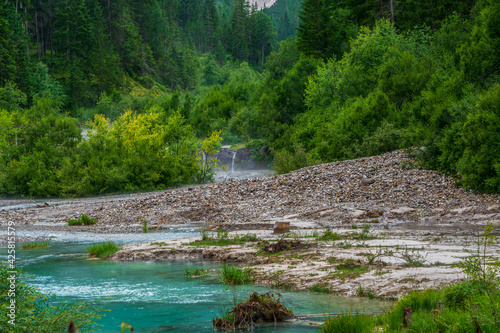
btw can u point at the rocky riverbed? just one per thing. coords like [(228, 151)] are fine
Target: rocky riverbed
[(401, 201)]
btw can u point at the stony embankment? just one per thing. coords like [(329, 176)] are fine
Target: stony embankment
[(379, 264), (387, 188)]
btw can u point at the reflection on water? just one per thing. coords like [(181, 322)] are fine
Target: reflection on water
[(156, 297)]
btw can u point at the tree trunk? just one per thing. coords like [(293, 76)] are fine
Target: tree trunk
[(392, 11), (51, 32)]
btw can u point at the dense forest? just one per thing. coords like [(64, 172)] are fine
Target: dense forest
[(312, 80)]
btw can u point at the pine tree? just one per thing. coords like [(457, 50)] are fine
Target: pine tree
[(239, 36), (210, 25), (312, 33), (263, 37), (8, 52)]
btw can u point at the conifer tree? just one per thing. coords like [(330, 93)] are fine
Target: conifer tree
[(210, 25), (239, 37), (8, 66), (312, 33)]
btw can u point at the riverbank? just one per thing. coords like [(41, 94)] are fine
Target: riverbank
[(404, 205), (383, 264)]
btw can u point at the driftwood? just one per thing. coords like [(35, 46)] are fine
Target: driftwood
[(258, 308), (282, 245)]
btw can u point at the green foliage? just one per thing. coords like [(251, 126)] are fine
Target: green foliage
[(148, 150), (209, 165), (349, 269), (83, 220), (319, 288), (328, 235), (420, 74), (349, 323), (285, 161), (222, 239), (37, 312), (231, 274), (103, 250), (480, 267), (195, 272), (35, 245), (145, 228)]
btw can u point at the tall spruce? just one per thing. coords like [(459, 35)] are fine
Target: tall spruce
[(312, 33), (239, 35)]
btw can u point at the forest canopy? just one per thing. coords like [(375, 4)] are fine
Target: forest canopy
[(312, 80)]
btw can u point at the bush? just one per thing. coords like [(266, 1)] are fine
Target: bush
[(83, 220), (284, 161), (103, 250)]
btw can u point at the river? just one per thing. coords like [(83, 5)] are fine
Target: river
[(156, 296)]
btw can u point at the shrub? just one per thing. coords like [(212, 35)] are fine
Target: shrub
[(103, 250), (83, 220), (284, 161)]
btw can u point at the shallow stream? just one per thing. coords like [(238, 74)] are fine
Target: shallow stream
[(157, 297)]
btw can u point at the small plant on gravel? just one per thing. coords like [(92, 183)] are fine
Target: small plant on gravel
[(479, 266), (103, 250), (83, 220), (364, 234), (231, 274), (145, 228), (350, 269), (412, 256), (344, 244), (159, 243), (35, 245), (328, 235), (381, 272), (362, 292), (195, 272), (222, 239)]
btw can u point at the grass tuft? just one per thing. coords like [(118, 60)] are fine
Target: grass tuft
[(103, 250), (83, 220), (195, 272), (231, 274), (35, 245), (349, 323), (328, 235), (320, 288), (145, 228)]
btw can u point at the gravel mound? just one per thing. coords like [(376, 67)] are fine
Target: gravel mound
[(387, 189)]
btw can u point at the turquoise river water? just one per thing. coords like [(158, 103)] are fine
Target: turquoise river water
[(156, 296)]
